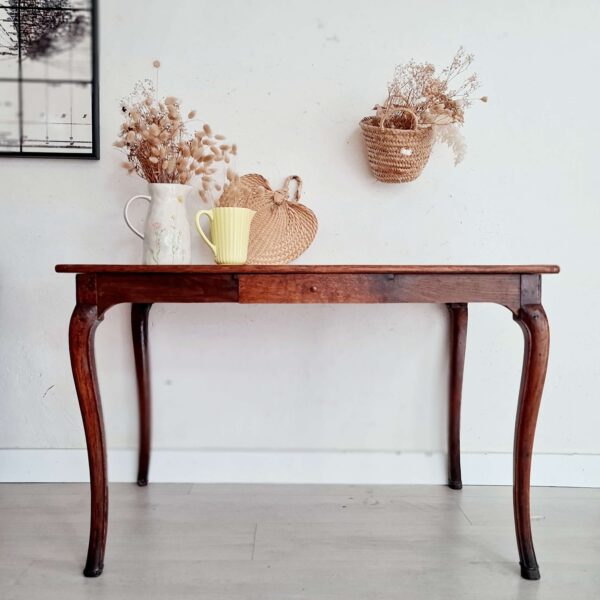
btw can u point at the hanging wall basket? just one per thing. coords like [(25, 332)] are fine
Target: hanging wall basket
[(396, 155)]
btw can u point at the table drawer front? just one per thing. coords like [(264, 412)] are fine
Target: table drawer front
[(375, 288), (310, 289)]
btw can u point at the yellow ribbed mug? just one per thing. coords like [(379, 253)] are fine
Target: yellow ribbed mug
[(230, 232)]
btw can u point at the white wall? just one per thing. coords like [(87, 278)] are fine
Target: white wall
[(323, 393)]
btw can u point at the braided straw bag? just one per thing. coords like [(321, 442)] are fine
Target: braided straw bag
[(282, 228), (396, 155)]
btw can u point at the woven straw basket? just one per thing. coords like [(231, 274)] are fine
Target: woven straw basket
[(282, 228), (396, 155)]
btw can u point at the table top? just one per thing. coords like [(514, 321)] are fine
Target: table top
[(325, 269)]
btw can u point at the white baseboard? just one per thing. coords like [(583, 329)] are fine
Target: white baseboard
[(249, 466)]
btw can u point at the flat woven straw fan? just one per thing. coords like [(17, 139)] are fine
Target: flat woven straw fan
[(282, 228)]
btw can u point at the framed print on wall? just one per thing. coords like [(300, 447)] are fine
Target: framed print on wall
[(49, 79)]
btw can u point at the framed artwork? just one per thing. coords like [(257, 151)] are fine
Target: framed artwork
[(49, 79)]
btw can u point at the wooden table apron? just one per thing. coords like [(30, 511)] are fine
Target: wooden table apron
[(518, 288)]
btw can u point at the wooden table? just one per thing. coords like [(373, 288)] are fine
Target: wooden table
[(99, 287)]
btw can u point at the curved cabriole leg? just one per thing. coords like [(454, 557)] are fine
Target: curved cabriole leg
[(534, 324), (81, 346), (458, 340), (139, 331)]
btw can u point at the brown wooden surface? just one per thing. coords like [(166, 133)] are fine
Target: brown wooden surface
[(379, 288), (275, 269), (101, 286), (534, 323), (459, 316), (139, 334), (148, 288), (81, 345), (106, 289)]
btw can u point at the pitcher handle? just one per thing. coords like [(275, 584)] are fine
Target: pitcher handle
[(209, 214), (148, 199)]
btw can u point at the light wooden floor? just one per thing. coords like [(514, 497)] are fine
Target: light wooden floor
[(263, 542)]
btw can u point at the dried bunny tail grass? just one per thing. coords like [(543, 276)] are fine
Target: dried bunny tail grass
[(153, 136)]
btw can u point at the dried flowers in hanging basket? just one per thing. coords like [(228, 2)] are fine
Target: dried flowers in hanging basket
[(421, 109), (158, 146)]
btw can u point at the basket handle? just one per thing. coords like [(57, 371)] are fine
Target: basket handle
[(400, 109), (286, 185)]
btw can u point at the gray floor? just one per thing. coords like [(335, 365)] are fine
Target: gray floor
[(265, 542)]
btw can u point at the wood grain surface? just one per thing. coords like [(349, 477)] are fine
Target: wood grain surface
[(266, 269)]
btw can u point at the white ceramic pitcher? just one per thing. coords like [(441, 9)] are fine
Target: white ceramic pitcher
[(167, 231)]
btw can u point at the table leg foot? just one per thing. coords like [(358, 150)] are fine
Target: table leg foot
[(458, 340), (534, 323), (83, 325), (530, 573), (93, 570)]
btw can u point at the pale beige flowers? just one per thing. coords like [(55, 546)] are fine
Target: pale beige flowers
[(159, 149), (437, 100)]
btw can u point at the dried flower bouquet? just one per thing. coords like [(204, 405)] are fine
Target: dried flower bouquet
[(438, 101), (158, 147)]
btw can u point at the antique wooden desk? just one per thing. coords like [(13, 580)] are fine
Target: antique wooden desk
[(99, 287)]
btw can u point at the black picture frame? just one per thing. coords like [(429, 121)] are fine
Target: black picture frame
[(94, 152)]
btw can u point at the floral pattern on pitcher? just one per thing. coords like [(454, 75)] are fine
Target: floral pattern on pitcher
[(169, 238)]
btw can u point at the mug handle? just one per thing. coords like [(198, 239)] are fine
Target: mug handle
[(209, 214), (148, 199)]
